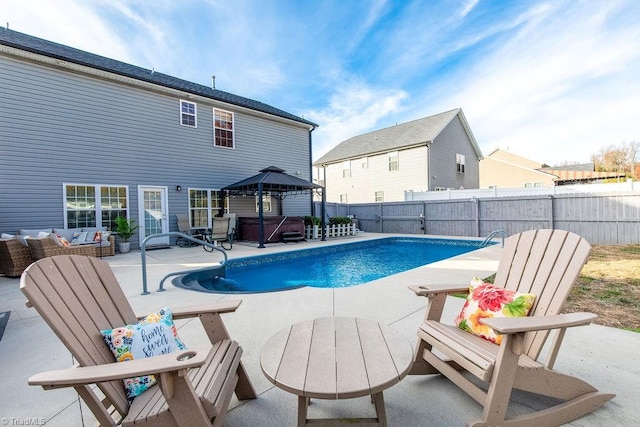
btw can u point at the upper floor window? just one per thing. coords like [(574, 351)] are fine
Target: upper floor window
[(346, 169), (533, 184), (364, 163), (460, 163), (379, 196), (343, 198), (188, 114), (223, 127), (393, 161)]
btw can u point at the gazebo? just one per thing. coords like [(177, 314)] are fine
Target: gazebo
[(273, 180)]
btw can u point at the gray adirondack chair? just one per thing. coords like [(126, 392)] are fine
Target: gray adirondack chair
[(79, 296), (547, 264)]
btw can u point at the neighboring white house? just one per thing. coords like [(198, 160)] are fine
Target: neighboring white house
[(438, 152)]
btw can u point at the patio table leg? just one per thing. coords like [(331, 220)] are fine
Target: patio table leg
[(303, 404)]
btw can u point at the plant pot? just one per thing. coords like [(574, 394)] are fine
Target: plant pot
[(124, 247)]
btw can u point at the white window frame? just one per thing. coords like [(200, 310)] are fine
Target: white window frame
[(534, 184), (346, 169), (364, 163), (98, 206), (216, 128), (185, 114), (266, 202), (394, 164), (343, 198), (460, 162), (379, 196), (212, 209)]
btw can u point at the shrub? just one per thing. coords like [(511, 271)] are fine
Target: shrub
[(340, 220), (311, 220)]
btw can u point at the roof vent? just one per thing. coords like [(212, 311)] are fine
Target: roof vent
[(213, 82)]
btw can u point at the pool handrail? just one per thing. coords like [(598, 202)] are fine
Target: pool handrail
[(143, 255), (493, 234)]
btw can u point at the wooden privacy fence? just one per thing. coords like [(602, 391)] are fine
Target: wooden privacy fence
[(600, 218)]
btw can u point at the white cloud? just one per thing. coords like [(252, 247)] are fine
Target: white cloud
[(560, 88), (354, 108)]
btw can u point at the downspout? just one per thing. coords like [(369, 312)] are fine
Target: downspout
[(260, 217), (311, 165)]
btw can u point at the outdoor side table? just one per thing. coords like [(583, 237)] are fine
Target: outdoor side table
[(336, 358)]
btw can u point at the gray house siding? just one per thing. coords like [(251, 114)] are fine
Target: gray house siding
[(60, 127), (451, 141)]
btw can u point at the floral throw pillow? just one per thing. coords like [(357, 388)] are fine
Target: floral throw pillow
[(485, 301), (154, 335)]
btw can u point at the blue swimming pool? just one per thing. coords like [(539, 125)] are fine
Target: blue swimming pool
[(332, 266)]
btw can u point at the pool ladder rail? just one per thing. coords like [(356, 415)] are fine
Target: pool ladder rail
[(491, 235), (219, 268)]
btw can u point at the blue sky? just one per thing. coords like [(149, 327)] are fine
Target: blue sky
[(553, 81)]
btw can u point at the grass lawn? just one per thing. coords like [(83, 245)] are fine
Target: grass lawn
[(609, 285)]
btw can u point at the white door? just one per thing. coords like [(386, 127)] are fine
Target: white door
[(152, 212)]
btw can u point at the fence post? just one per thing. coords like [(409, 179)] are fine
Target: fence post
[(551, 219), (476, 205)]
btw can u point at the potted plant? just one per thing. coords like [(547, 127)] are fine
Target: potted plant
[(125, 228)]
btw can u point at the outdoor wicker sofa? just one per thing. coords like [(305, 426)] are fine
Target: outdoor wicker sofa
[(14, 257), (46, 247)]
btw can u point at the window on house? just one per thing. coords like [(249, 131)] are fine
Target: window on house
[(460, 163), (188, 114), (379, 196), (346, 169), (204, 204), (364, 163), (343, 198), (266, 202), (533, 184), (223, 128), (94, 205), (393, 161)]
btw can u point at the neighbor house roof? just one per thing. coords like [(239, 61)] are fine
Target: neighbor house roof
[(415, 133), (39, 46)]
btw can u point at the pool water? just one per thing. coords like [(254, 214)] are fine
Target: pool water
[(332, 266)]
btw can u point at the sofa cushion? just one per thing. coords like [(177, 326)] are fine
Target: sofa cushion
[(67, 233), (91, 232), (34, 232)]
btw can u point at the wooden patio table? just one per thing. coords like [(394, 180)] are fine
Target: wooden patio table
[(337, 358)]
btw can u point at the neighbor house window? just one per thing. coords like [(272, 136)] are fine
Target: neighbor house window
[(364, 163), (379, 196), (94, 205), (460, 163), (343, 198), (266, 202), (533, 184), (223, 128), (393, 161), (346, 169), (204, 204), (188, 114)]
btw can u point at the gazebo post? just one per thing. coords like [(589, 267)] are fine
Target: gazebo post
[(323, 211), (260, 217)]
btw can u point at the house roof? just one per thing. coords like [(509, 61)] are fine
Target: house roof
[(415, 133), (47, 48), (274, 180)]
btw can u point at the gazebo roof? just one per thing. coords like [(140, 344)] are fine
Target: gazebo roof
[(272, 179)]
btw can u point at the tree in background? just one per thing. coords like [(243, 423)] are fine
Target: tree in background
[(622, 158)]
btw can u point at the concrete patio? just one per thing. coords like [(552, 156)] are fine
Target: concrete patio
[(605, 357)]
